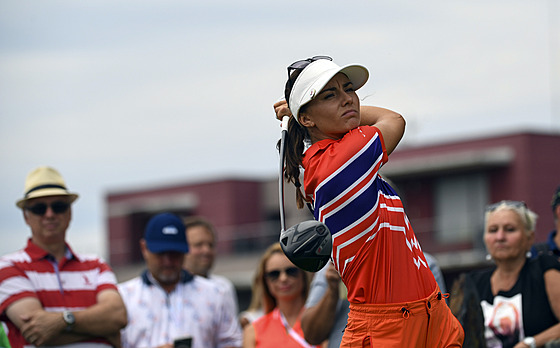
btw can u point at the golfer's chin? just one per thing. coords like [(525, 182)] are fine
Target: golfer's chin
[(351, 123), (348, 126)]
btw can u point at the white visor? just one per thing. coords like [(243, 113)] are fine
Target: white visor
[(314, 78)]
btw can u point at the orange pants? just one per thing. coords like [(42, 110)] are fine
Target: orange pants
[(426, 323)]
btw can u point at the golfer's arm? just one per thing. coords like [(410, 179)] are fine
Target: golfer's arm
[(317, 321), (390, 124)]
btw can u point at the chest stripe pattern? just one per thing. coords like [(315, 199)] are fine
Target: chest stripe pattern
[(360, 207)]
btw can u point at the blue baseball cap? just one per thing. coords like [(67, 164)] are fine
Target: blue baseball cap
[(166, 232)]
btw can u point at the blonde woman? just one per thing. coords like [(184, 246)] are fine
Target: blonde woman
[(520, 297), (285, 288)]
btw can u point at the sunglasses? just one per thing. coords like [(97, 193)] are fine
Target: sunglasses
[(513, 204), (57, 207), (301, 64), (275, 274)]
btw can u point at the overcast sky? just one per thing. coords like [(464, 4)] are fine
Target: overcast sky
[(126, 94)]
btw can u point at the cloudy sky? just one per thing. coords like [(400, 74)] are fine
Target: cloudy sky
[(126, 94)]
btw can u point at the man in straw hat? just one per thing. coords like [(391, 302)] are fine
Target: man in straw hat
[(49, 295)]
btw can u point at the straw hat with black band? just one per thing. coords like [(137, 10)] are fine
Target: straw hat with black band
[(44, 182)]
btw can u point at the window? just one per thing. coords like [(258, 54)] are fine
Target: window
[(459, 206)]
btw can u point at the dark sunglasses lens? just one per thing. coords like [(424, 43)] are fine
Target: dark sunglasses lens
[(41, 208), (292, 271), (273, 275), (60, 207), (300, 64), (38, 209)]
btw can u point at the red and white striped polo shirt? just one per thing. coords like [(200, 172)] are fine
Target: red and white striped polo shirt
[(72, 284)]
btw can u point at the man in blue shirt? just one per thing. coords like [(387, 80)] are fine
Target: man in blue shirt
[(167, 304)]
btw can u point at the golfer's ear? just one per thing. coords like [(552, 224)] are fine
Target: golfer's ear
[(305, 121)]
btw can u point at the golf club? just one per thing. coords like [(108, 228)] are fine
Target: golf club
[(307, 244)]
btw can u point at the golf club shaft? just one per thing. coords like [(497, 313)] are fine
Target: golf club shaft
[(285, 120)]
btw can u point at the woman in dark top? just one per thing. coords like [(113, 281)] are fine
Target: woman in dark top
[(520, 298)]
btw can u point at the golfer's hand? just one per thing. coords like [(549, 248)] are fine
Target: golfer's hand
[(281, 109), (333, 278)]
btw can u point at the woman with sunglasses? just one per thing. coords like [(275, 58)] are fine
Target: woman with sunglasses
[(285, 288), (520, 297), (394, 298)]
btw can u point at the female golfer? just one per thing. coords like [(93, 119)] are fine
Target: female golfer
[(394, 298)]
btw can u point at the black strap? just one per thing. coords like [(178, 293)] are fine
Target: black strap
[(40, 187)]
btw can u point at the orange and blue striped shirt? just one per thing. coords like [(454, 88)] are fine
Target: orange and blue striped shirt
[(374, 247)]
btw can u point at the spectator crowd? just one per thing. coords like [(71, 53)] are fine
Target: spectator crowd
[(53, 296)]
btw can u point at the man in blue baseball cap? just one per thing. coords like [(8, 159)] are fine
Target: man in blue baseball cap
[(167, 304), (164, 246)]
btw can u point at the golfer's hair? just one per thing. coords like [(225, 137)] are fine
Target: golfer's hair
[(294, 145), (294, 155)]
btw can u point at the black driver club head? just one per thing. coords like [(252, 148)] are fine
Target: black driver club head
[(308, 245)]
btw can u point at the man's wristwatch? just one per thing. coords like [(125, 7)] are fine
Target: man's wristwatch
[(69, 319), (530, 341)]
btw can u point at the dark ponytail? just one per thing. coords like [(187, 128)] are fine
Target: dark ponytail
[(294, 145), (294, 156)]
